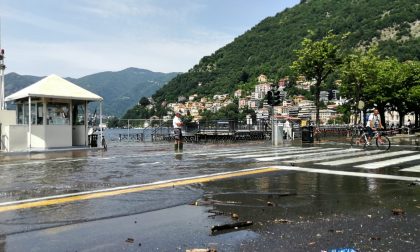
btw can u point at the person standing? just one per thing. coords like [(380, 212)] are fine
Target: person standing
[(408, 125), (104, 145), (177, 124), (288, 129)]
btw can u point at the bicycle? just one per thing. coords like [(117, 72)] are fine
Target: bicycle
[(360, 138)]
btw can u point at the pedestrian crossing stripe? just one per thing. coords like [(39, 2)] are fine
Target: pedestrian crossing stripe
[(296, 155), (231, 151), (255, 152), (346, 153), (307, 153), (389, 162), (412, 169), (283, 152), (365, 158), (348, 173)]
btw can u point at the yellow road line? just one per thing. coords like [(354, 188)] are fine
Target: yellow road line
[(140, 188)]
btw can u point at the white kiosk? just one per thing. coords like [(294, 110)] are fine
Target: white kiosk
[(51, 113)]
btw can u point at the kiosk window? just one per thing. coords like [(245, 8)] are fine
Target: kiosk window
[(78, 114), (58, 114)]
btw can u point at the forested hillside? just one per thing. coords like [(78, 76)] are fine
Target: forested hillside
[(268, 48)]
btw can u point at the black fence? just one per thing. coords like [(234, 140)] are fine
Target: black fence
[(229, 131)]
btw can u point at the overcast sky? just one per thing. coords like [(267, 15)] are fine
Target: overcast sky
[(78, 37)]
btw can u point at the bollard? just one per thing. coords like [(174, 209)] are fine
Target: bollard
[(277, 134)]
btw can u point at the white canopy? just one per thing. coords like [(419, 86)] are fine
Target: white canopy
[(54, 86)]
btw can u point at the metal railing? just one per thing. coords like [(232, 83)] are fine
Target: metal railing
[(221, 130)]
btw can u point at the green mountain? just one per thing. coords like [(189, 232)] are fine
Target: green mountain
[(268, 48), (121, 90)]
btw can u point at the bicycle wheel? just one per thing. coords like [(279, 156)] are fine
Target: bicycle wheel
[(383, 143)]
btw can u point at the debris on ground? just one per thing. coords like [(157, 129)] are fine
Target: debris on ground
[(341, 250), (269, 203), (216, 212), (231, 226), (234, 216), (209, 202), (129, 240), (375, 238), (230, 202), (398, 211), (413, 184), (283, 221), (201, 250), (336, 231)]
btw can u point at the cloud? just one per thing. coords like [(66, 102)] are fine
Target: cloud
[(97, 46), (168, 9), (28, 19), (82, 58), (75, 38)]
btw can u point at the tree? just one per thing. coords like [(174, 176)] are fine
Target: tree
[(414, 98), (357, 72), (386, 91), (317, 60), (413, 80), (113, 122), (144, 101)]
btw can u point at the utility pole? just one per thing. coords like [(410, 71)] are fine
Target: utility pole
[(2, 67), (274, 99)]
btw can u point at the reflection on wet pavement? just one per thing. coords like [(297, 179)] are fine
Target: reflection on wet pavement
[(271, 200)]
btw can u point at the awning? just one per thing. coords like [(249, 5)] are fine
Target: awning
[(54, 86)]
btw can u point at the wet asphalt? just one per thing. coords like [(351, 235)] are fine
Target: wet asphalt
[(290, 210)]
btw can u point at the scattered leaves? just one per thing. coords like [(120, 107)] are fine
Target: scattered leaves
[(398, 211)]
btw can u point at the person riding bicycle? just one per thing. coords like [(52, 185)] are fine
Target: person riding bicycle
[(373, 123)]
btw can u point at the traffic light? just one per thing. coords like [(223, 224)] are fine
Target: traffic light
[(270, 97), (274, 97)]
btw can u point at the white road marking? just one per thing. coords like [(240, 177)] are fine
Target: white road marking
[(365, 158), (347, 173), (389, 162), (276, 153), (43, 162), (252, 152), (295, 155), (230, 173), (347, 153), (231, 151), (412, 169)]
